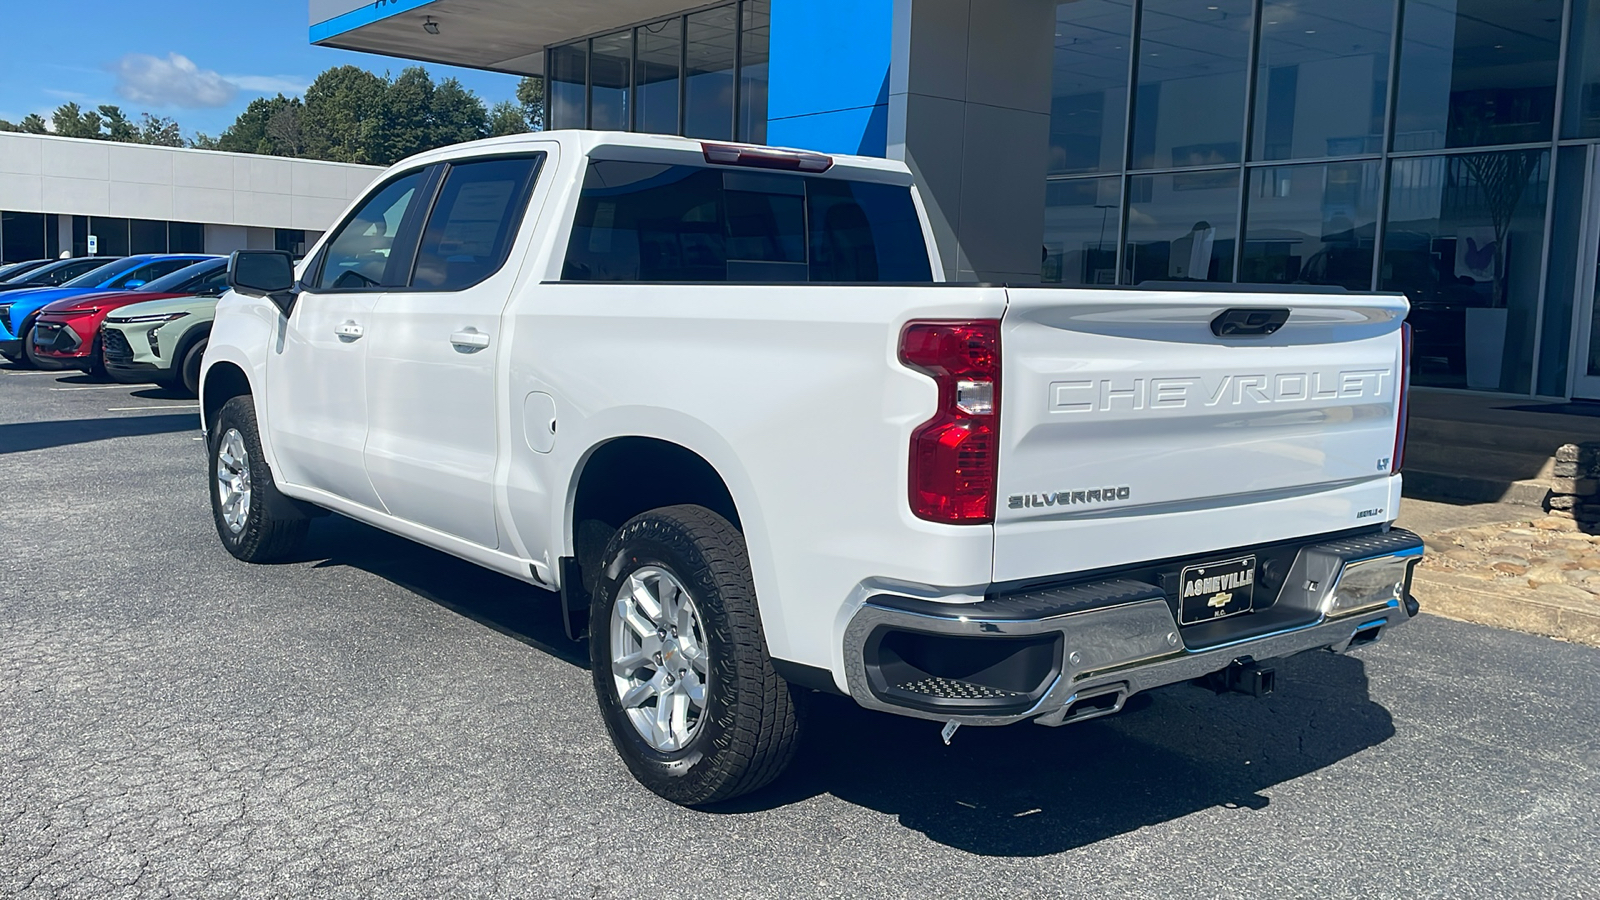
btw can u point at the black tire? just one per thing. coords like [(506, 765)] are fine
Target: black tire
[(187, 368), (752, 720), (31, 357), (272, 525), (97, 361)]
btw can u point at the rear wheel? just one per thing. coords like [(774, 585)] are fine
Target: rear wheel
[(254, 521), (685, 685)]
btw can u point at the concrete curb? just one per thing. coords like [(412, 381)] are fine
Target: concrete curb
[(1484, 602)]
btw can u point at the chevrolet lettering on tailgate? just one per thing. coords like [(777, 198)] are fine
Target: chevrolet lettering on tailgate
[(1193, 391)]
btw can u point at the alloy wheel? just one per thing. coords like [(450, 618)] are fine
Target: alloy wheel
[(233, 480), (659, 658)]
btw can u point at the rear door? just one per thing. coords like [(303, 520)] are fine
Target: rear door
[(432, 434), (1132, 431)]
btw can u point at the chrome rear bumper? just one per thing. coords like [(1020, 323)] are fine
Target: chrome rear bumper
[(1043, 654)]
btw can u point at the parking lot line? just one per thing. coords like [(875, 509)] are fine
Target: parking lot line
[(92, 387), (129, 408)]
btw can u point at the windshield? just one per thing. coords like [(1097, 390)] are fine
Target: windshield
[(97, 277), (11, 269), (179, 280), (52, 274)]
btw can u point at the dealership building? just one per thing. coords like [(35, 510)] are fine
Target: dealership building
[(1444, 148), (67, 195)]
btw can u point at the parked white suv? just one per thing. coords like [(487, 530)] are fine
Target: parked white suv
[(712, 395)]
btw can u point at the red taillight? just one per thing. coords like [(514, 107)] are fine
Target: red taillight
[(1398, 460), (954, 455)]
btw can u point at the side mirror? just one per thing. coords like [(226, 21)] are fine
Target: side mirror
[(268, 274), (135, 284)]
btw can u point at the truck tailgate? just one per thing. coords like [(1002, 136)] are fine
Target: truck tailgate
[(1131, 432)]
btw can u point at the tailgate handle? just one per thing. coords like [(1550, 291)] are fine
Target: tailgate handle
[(1248, 322)]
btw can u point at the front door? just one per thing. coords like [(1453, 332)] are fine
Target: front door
[(432, 435), (316, 373)]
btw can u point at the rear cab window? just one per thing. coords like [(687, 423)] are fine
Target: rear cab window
[(655, 222)]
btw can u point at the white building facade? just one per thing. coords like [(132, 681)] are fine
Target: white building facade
[(55, 193)]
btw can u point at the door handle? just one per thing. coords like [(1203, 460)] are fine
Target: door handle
[(470, 339), (348, 331)]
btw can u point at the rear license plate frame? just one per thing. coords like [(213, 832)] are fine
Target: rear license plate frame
[(1233, 595)]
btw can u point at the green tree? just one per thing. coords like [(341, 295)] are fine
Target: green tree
[(457, 115), (117, 126), (69, 120), (160, 131), (352, 115), (405, 118), (507, 118), (269, 125), (530, 93), (341, 118), (33, 123)]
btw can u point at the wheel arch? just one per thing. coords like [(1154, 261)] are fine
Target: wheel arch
[(622, 476), (220, 382), (190, 338)]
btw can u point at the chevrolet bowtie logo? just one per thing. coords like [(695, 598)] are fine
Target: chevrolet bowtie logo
[(1220, 600)]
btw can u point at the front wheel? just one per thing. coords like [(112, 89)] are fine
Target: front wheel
[(34, 357), (188, 368), (254, 521), (685, 685)]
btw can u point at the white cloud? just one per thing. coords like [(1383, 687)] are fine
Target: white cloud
[(174, 81), (270, 84)]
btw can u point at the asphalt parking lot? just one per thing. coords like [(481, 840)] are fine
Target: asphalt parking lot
[(378, 719)]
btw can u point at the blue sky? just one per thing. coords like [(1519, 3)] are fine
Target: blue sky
[(198, 62)]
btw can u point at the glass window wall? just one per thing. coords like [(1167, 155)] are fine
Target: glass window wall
[(703, 75), (1312, 224), (708, 74), (754, 49), (610, 81), (145, 236), (22, 237), (1182, 227), (568, 94), (1089, 86), (1312, 144), (111, 235), (660, 56), (1477, 72), (1581, 117), (1193, 61), (1081, 221), (1465, 242), (1322, 78)]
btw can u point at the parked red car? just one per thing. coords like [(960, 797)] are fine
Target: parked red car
[(67, 332)]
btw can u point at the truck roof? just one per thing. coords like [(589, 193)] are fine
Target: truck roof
[(630, 145)]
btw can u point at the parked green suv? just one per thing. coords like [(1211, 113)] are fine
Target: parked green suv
[(159, 340)]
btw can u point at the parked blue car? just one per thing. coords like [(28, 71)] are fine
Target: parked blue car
[(18, 309)]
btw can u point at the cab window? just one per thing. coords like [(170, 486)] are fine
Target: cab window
[(358, 255), (470, 230)]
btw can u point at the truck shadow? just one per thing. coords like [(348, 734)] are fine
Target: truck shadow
[(1022, 790), (513, 608), (20, 437), (1027, 790)]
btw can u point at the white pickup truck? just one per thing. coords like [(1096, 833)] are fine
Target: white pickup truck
[(716, 397)]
